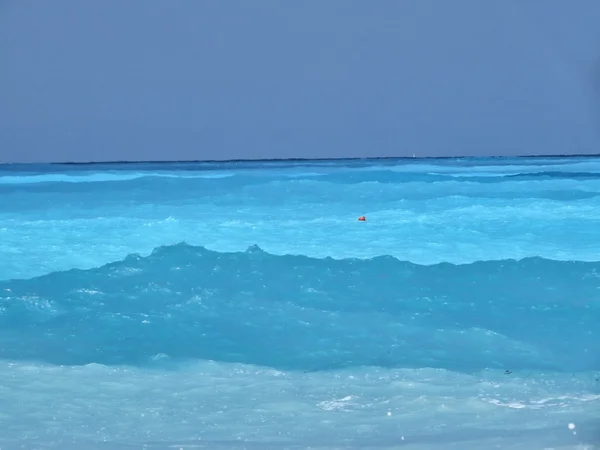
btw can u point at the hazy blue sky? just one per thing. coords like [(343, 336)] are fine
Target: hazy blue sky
[(199, 79)]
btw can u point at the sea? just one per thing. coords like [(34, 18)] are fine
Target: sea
[(243, 305)]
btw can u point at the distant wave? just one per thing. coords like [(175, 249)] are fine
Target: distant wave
[(300, 313), (317, 187), (99, 177), (347, 177), (550, 174)]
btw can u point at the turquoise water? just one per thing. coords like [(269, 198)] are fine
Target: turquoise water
[(243, 305)]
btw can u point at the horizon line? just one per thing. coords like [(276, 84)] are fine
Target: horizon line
[(262, 160)]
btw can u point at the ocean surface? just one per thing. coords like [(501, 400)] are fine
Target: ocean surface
[(242, 305)]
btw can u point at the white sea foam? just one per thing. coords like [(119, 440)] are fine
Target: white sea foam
[(216, 405)]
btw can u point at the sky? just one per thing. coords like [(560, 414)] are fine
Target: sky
[(198, 79)]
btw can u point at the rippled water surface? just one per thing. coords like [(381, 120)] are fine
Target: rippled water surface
[(243, 305)]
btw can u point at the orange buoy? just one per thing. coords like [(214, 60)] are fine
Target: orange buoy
[(362, 218)]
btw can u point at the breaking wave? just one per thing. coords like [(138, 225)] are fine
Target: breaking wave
[(185, 303)]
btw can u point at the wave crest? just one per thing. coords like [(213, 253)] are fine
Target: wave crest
[(299, 313)]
